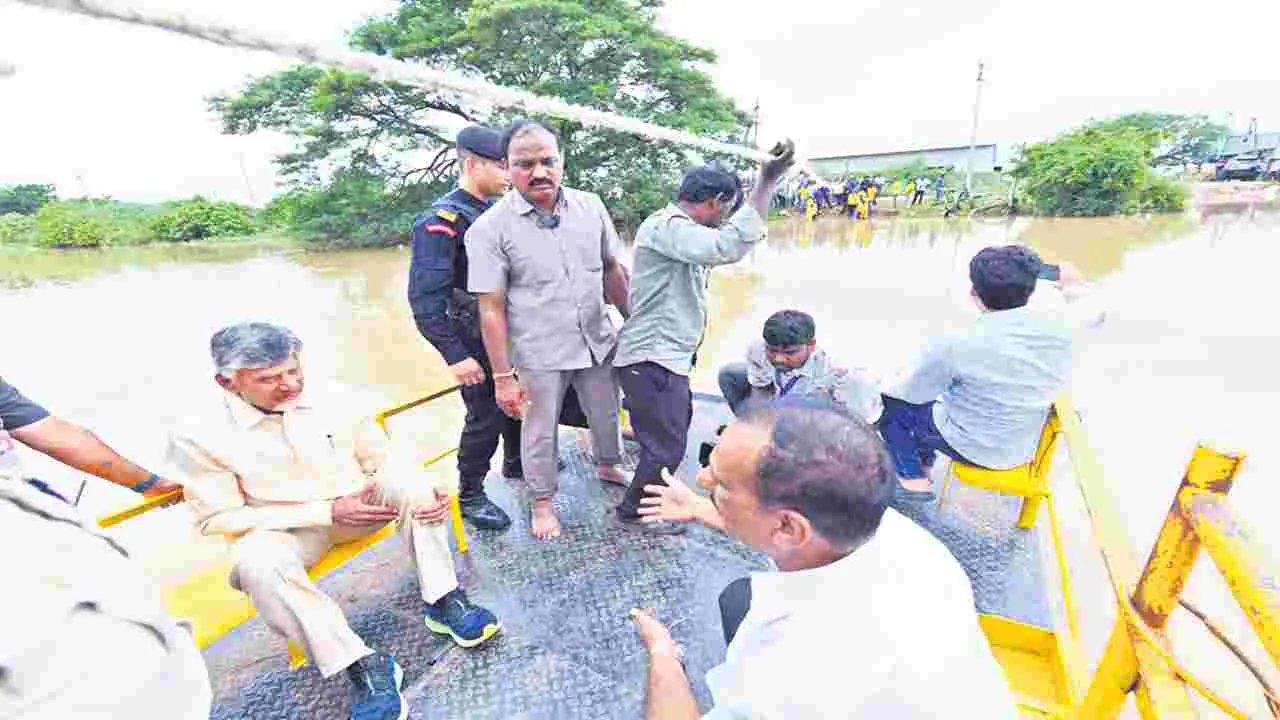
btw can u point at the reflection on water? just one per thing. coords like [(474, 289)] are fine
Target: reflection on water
[(118, 340)]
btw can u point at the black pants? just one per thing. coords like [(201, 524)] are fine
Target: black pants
[(486, 423), (735, 601), (661, 410), (735, 386)]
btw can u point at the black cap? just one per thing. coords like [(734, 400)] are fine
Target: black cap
[(482, 141)]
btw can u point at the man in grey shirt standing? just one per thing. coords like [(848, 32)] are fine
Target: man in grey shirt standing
[(539, 259), (676, 248)]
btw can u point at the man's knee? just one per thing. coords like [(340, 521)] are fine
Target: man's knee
[(731, 378), (261, 558)]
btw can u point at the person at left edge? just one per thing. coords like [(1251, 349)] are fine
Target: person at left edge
[(447, 316)]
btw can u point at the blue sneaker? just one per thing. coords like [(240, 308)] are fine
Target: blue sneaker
[(455, 616), (377, 679)]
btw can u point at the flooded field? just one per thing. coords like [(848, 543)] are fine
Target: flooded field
[(117, 341)]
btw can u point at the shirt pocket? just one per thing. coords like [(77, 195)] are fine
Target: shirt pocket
[(536, 265), (589, 254)]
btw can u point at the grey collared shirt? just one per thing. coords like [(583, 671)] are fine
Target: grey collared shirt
[(995, 384), (553, 278), (674, 257), (819, 377)]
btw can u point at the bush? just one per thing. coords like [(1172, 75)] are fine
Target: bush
[(17, 229), (1096, 171), (71, 225), (1163, 194), (197, 219)]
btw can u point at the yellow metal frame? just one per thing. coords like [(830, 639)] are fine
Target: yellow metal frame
[(1029, 481), (1044, 668), (1138, 657)]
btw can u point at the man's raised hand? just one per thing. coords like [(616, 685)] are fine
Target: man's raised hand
[(784, 156)]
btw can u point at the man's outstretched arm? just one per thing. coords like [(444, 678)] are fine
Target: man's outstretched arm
[(73, 445), (670, 696)]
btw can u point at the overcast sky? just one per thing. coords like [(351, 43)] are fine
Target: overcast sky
[(115, 110)]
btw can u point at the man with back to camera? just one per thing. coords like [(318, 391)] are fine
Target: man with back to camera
[(867, 616), (983, 397), (676, 247)]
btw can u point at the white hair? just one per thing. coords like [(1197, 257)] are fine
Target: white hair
[(252, 346)]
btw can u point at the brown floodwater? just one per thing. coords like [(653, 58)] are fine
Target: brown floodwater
[(117, 341)]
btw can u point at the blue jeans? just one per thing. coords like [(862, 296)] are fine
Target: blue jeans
[(912, 437)]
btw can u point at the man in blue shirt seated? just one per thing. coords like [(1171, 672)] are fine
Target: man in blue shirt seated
[(983, 397)]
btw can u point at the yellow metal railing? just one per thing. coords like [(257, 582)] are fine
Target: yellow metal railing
[(1138, 657)]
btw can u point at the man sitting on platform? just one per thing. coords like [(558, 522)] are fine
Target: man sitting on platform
[(982, 398), (868, 616), (290, 477), (788, 363)]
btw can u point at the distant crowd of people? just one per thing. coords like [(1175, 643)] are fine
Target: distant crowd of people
[(858, 196)]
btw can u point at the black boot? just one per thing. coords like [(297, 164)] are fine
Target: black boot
[(512, 469), (483, 512)]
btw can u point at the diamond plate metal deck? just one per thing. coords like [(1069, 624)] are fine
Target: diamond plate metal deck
[(568, 649)]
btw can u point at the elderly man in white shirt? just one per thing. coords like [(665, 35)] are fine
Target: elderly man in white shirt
[(869, 615), (290, 476)]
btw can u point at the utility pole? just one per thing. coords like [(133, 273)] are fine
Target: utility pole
[(753, 130), (973, 134), (248, 188)]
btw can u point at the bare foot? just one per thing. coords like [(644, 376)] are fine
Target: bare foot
[(584, 441), (546, 526), (917, 484), (613, 474)]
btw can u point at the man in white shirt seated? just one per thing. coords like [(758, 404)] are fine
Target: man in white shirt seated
[(291, 476), (786, 362), (869, 615)]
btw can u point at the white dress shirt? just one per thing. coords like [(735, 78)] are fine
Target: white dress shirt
[(889, 631)]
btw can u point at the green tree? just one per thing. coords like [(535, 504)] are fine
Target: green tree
[(354, 208), (198, 218), (605, 54), (1178, 139), (25, 199), (1096, 171)]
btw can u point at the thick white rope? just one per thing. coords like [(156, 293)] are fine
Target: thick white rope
[(389, 69)]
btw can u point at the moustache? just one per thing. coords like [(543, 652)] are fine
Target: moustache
[(541, 183)]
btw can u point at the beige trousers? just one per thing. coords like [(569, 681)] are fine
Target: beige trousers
[(598, 393), (271, 566)]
